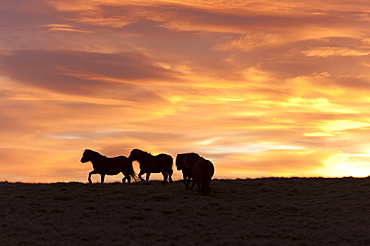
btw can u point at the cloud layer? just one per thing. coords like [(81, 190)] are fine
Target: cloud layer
[(261, 89)]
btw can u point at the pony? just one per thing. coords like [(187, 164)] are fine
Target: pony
[(185, 163), (109, 166), (161, 163), (201, 170)]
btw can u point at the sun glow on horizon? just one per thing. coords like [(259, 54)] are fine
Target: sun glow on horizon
[(341, 165)]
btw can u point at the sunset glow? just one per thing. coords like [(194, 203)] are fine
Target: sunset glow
[(264, 88)]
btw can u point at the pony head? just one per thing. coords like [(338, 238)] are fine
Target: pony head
[(180, 159), (135, 154), (87, 155)]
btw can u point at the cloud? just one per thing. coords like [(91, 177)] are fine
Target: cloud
[(88, 74), (268, 88), (64, 28), (195, 16), (335, 51)]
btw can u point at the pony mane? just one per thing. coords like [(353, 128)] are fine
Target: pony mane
[(92, 152), (142, 151)]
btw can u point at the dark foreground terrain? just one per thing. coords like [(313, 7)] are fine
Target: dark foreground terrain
[(271, 211)]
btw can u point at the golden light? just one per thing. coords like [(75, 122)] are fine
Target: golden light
[(273, 88), (341, 125), (344, 165)]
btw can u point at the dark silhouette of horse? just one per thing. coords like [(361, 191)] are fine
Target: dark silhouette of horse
[(201, 170), (185, 163), (161, 163), (109, 166)]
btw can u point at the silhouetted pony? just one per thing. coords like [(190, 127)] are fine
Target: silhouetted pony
[(202, 171), (187, 167), (111, 166), (161, 163)]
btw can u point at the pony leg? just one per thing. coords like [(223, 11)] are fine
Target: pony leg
[(102, 178), (199, 187), (128, 178), (147, 177), (139, 175), (164, 177), (206, 189), (193, 184), (170, 176), (91, 173), (188, 180), (185, 177), (125, 177)]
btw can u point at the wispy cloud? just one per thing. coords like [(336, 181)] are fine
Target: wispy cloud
[(64, 28)]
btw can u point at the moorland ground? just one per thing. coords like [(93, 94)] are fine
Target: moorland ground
[(269, 211)]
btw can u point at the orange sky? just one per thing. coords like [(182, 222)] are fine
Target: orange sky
[(261, 88)]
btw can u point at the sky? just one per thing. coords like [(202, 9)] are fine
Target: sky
[(261, 88)]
